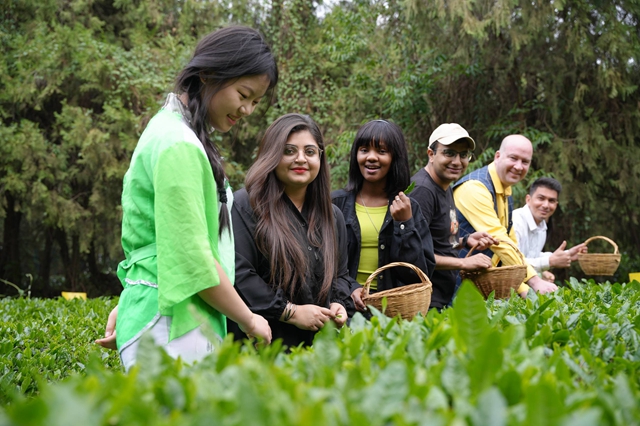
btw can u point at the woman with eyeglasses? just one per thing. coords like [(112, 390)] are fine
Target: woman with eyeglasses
[(383, 224), (289, 237)]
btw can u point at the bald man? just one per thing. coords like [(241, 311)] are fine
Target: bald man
[(483, 203)]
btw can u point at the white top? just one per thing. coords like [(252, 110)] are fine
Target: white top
[(531, 237)]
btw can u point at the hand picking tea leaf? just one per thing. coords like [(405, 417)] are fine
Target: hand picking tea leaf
[(409, 188)]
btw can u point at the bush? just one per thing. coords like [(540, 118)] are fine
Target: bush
[(569, 358)]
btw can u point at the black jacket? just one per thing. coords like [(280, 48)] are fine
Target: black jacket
[(253, 273), (408, 242)]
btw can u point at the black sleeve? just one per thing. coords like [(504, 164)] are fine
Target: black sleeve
[(427, 242), (412, 243), (252, 269), (343, 285)]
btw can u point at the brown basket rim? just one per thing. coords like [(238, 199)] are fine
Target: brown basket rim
[(492, 269), (398, 290), (585, 256), (503, 241)]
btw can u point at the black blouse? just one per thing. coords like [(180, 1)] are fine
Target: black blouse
[(253, 272), (408, 242)]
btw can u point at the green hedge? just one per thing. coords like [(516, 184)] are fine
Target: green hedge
[(570, 358), (46, 340)]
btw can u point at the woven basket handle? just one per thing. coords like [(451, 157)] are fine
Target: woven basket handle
[(423, 277), (615, 246), (504, 241)]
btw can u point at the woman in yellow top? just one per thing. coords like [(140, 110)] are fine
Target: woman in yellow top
[(383, 224)]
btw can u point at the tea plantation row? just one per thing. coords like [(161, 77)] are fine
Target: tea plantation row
[(570, 358)]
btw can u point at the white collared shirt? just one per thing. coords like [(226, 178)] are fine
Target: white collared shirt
[(531, 238)]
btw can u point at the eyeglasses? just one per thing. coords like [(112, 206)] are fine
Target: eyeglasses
[(452, 153), (310, 152)]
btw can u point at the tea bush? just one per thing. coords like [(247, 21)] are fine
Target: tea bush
[(569, 358)]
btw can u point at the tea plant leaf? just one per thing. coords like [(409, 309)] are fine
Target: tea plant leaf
[(588, 417), (486, 362), (510, 383), (544, 406), (492, 408), (410, 188), (470, 318)]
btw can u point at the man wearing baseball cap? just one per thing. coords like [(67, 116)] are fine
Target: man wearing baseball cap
[(483, 200), (450, 150)]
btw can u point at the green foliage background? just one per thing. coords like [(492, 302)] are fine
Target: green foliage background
[(80, 79)]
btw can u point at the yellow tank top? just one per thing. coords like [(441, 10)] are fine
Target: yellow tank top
[(371, 220)]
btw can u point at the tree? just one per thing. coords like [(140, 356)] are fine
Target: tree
[(566, 74), (80, 81)]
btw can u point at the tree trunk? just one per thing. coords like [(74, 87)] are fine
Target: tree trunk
[(76, 264), (10, 255), (70, 272), (102, 284), (41, 284)]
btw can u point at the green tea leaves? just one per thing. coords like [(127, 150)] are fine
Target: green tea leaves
[(567, 358), (470, 316), (410, 188)]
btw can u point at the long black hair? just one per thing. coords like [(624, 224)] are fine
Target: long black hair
[(373, 134), (274, 235), (220, 58)]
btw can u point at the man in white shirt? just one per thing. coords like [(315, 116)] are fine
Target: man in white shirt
[(530, 224)]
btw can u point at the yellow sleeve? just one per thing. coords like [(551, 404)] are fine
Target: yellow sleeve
[(475, 202)]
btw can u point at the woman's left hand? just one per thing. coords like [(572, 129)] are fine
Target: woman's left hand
[(400, 208), (340, 314), (109, 339)]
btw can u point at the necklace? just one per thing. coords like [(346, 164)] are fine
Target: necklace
[(368, 215)]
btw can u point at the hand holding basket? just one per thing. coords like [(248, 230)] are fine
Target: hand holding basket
[(500, 279)]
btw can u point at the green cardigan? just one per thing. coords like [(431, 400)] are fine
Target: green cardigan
[(170, 231)]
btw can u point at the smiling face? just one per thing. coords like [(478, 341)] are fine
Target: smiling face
[(374, 163), (513, 159), (542, 203), (236, 100), (300, 163), (444, 169)]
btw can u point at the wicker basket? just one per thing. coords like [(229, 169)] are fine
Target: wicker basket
[(407, 300), (500, 279), (600, 263)]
